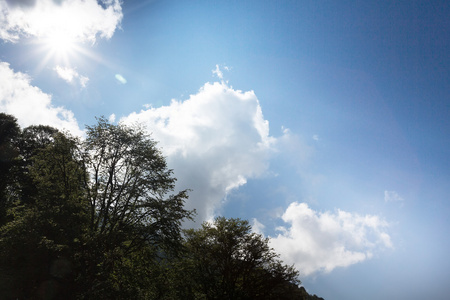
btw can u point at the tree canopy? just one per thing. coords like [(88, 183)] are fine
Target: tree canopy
[(229, 261)]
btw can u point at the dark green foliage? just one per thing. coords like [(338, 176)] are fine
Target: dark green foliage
[(41, 231), (305, 296), (129, 210), (35, 138), (128, 185), (21, 188), (32, 235), (9, 136), (228, 261), (84, 218)]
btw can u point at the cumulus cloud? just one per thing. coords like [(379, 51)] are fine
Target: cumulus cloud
[(82, 20), (29, 104), (70, 75), (215, 141), (320, 242)]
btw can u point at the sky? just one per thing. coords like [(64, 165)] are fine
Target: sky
[(326, 124)]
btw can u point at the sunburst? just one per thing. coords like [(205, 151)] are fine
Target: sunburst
[(60, 44), (64, 42)]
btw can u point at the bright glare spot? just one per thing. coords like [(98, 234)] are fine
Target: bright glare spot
[(59, 36), (60, 42), (121, 79)]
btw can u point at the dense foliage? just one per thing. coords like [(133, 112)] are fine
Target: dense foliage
[(228, 261), (97, 219)]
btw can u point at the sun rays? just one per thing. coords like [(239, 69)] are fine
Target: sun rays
[(60, 32)]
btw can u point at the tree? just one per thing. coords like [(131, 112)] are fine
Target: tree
[(37, 245), (9, 135), (88, 216), (32, 234), (229, 261), (127, 188)]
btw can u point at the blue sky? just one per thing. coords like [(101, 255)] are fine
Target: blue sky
[(324, 123)]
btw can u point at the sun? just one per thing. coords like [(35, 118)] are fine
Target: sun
[(61, 46), (60, 43)]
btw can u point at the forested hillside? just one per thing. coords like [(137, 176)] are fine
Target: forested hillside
[(98, 219)]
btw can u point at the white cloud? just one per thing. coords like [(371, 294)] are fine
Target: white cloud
[(392, 196), (81, 20), (29, 104), (70, 75), (218, 72), (257, 226), (112, 118), (83, 80), (320, 242), (214, 141)]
